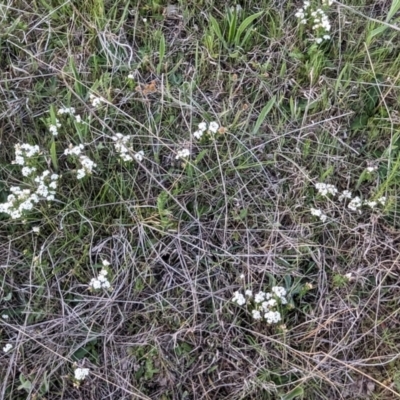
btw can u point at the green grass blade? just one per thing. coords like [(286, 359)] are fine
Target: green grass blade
[(394, 8), (161, 51)]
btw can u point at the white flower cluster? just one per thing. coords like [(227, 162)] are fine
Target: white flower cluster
[(23, 152), (346, 194), (70, 111), (355, 203), (43, 187), (324, 189), (211, 129), (66, 110), (81, 373), (318, 213), (7, 347), (239, 299), (96, 101), (318, 19), (87, 164), (46, 185), (74, 150), (87, 167), (184, 153), (27, 171), (265, 303), (122, 146), (101, 282), (53, 128)]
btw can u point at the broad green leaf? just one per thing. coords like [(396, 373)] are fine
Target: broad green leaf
[(217, 30), (264, 112), (243, 26), (232, 27), (299, 391), (393, 9)]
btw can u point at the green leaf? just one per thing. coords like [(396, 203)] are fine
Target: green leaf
[(25, 383), (53, 155), (161, 52), (217, 30), (393, 10), (232, 27), (243, 26), (264, 112), (299, 391), (359, 122)]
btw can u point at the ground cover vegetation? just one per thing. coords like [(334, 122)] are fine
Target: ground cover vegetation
[(198, 199)]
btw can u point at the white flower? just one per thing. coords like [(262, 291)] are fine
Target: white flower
[(318, 40), (202, 126), (273, 317), (371, 168), (7, 347), (355, 204), (256, 314), (382, 200), (80, 174), (54, 128), (325, 188), (370, 203), (265, 306), (96, 101), (95, 283), (81, 373), (26, 171), (105, 263), (198, 134), (259, 297), (184, 153), (318, 213), (272, 303), (241, 276), (101, 282), (139, 156), (131, 76), (239, 298), (66, 110), (36, 229), (279, 291), (74, 150), (4, 316), (249, 293), (213, 127), (346, 194), (78, 119)]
